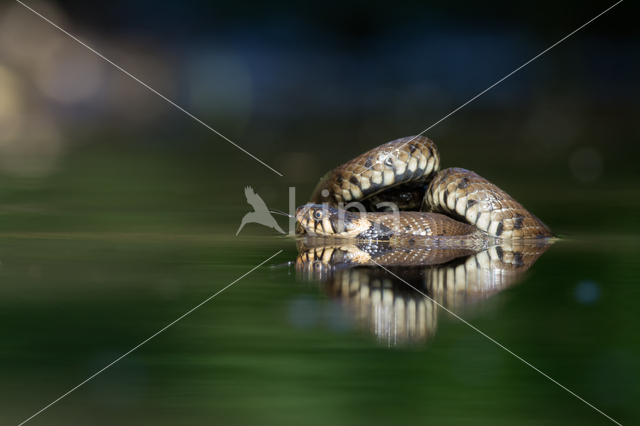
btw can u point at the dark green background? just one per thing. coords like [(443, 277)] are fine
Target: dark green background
[(136, 226)]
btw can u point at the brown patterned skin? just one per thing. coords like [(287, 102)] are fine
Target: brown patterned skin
[(351, 255), (421, 224), (513, 257), (328, 221), (384, 305), (465, 196), (406, 162), (399, 172)]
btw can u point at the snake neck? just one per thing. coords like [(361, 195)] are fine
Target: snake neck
[(376, 231)]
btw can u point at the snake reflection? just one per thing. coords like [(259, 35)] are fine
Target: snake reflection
[(451, 234), (455, 276)]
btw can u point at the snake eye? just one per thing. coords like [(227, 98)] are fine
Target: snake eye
[(317, 214)]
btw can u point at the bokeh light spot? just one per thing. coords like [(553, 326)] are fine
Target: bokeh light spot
[(304, 312), (70, 74), (587, 292)]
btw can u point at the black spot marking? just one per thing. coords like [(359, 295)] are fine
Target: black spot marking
[(412, 242), (463, 183), (389, 161), (376, 231), (339, 179), (412, 149), (446, 195), (333, 226), (407, 228), (431, 154), (517, 224), (353, 180), (517, 259), (368, 163), (500, 229), (500, 253), (471, 203)]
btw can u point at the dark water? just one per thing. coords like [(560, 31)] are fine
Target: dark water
[(100, 257)]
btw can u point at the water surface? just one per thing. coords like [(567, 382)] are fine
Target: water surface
[(97, 260)]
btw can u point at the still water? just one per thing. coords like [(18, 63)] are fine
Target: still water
[(90, 268)]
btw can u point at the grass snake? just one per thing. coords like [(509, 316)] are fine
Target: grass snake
[(404, 175)]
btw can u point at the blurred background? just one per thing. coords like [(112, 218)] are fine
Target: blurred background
[(307, 87), (118, 212)]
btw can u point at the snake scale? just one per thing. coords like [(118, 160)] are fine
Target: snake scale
[(404, 173)]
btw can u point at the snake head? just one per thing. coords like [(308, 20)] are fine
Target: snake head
[(320, 219)]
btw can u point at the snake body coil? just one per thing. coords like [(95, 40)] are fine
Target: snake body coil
[(404, 173)]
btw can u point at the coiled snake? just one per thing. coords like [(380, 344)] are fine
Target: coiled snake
[(405, 173)]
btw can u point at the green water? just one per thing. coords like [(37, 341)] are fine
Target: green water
[(120, 243)]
